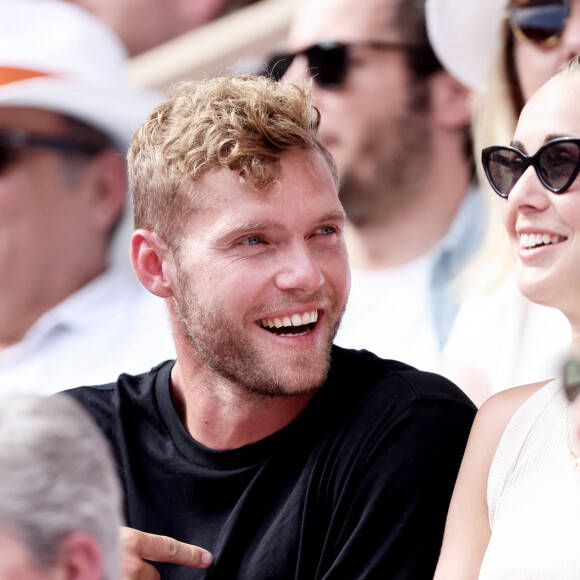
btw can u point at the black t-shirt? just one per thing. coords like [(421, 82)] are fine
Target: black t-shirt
[(357, 487)]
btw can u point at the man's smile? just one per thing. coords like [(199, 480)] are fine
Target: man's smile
[(291, 325)]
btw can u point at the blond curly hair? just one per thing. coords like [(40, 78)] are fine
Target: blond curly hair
[(244, 123)]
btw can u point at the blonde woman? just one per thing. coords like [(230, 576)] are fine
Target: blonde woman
[(504, 51), (514, 512)]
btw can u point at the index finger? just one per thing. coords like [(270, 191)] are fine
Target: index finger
[(164, 549)]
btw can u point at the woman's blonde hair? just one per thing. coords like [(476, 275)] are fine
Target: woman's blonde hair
[(494, 119), (496, 112)]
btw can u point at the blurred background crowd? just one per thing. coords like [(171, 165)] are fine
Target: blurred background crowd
[(407, 104), (410, 93)]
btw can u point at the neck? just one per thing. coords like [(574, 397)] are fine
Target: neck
[(220, 415), (22, 305), (416, 228)]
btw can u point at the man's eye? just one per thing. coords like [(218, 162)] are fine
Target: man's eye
[(327, 230), (253, 240)]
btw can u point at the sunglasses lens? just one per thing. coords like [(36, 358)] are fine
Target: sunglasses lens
[(7, 156), (327, 63), (278, 65), (558, 164), (542, 23), (503, 168)]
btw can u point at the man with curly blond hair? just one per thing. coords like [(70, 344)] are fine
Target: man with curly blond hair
[(274, 453)]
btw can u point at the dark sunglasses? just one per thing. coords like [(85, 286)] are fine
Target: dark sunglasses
[(540, 21), (556, 163), (327, 61), (12, 141)]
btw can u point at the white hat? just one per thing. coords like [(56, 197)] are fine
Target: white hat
[(56, 56), (465, 36)]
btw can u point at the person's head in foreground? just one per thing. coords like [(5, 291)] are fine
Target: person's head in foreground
[(239, 227), (60, 500)]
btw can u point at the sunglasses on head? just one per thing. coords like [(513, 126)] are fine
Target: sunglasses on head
[(327, 61), (556, 163), (539, 21), (12, 141)]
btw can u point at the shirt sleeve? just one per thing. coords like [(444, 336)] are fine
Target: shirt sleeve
[(392, 512)]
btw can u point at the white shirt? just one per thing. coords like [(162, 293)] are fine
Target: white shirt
[(406, 313), (388, 313), (112, 325), (508, 339)]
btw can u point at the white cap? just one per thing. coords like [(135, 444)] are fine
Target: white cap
[(465, 36), (56, 56)]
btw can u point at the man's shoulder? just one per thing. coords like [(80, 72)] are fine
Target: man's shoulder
[(133, 390), (374, 406), (366, 369)]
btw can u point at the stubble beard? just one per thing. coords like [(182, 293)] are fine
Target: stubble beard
[(396, 154), (227, 351)]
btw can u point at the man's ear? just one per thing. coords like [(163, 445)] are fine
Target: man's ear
[(109, 191), (153, 262), (451, 102), (79, 558)]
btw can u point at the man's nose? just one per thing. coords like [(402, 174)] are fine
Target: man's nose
[(297, 70), (298, 269)]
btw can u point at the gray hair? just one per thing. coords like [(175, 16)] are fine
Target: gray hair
[(58, 477)]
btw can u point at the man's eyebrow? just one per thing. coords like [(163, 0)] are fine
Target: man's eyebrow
[(334, 215), (245, 227), (251, 226)]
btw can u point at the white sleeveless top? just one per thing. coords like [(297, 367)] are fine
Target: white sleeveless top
[(533, 495)]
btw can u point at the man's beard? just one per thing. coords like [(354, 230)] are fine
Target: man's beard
[(394, 157), (228, 352)]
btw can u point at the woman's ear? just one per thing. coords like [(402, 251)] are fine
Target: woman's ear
[(152, 260)]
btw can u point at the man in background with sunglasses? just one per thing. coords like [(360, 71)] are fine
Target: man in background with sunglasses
[(66, 117), (396, 124)]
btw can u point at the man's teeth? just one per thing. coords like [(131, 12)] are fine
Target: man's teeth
[(532, 240), (294, 320)]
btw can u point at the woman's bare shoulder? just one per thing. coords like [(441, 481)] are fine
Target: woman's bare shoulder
[(496, 412)]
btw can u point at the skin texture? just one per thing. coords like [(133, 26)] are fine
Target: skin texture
[(55, 215), (145, 24), (17, 562)]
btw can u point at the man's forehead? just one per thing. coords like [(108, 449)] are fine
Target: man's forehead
[(304, 183), (29, 118), (316, 20)]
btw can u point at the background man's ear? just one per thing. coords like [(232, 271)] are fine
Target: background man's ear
[(109, 190), (79, 558), (153, 262), (451, 102)]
